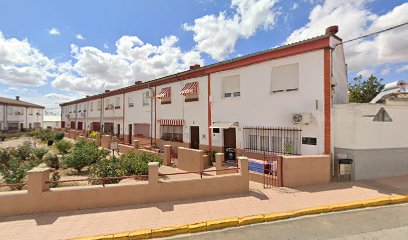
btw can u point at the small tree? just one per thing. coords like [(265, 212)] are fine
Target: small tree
[(40, 152), (134, 164), (84, 154), (52, 160), (363, 91), (106, 168), (63, 146)]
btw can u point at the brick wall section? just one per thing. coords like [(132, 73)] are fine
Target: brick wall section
[(327, 102)]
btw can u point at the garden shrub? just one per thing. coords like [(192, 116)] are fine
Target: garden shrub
[(137, 163), (58, 136), (93, 134), (54, 177), (40, 152), (84, 154), (52, 160), (23, 152), (106, 168), (63, 146), (11, 168), (2, 137)]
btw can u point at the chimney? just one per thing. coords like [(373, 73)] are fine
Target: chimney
[(332, 30), (195, 66), (138, 82), (18, 98), (107, 91), (87, 96)]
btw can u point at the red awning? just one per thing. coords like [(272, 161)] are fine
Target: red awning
[(171, 122), (165, 93), (190, 88)]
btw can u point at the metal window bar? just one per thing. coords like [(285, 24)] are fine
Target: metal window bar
[(273, 140)]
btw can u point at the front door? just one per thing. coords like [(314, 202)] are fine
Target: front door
[(72, 125), (229, 144), (62, 124), (130, 133), (79, 125), (30, 125), (194, 137), (118, 130), (21, 126)]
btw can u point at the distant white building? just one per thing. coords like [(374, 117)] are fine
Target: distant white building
[(16, 114), (52, 121)]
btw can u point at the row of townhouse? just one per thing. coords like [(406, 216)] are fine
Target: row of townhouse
[(16, 114), (288, 91)]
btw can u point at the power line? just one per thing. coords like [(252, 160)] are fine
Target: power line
[(373, 33)]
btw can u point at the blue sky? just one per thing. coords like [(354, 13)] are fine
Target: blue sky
[(43, 58)]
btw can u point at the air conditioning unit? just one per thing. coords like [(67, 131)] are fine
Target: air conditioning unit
[(302, 118)]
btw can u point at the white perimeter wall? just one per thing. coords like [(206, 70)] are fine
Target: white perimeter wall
[(354, 127)]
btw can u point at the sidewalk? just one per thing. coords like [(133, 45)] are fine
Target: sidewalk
[(63, 225)]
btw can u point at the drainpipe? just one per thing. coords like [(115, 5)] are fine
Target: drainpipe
[(151, 114), (123, 116)]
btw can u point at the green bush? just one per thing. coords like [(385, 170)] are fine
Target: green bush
[(23, 152), (106, 168), (137, 163), (55, 177), (12, 169), (84, 154), (40, 152), (63, 146), (52, 160), (2, 137), (58, 136), (93, 134)]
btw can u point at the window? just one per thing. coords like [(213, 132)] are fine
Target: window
[(146, 98), (99, 105), (30, 111), (79, 107), (9, 111), (264, 143), (130, 101), (117, 105), (382, 116), (141, 129), (165, 95), (231, 87), (285, 78), (172, 133), (108, 104), (92, 106), (190, 91), (253, 142)]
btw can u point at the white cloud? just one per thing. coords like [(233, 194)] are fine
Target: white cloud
[(402, 69), (23, 65), (95, 70), (295, 6), (217, 35), (355, 19), (79, 37), (106, 46), (54, 31)]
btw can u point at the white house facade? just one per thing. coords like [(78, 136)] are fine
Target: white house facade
[(278, 100), (16, 114)]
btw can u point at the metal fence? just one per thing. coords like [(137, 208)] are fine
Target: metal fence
[(271, 140)]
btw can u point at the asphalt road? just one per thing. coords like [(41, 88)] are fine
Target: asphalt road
[(388, 223)]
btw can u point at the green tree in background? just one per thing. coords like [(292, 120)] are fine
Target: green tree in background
[(363, 91)]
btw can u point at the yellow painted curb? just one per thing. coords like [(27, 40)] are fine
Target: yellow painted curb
[(311, 211), (197, 227), (169, 231), (141, 234), (278, 216), (241, 221), (223, 223), (251, 219)]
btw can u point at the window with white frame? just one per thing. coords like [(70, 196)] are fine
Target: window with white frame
[(146, 98), (172, 133), (231, 86), (99, 105), (131, 103), (30, 111), (92, 106), (285, 78), (108, 104), (117, 104)]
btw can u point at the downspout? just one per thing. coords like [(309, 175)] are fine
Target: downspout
[(155, 118), (151, 114), (26, 117), (123, 116), (209, 113), (101, 114)]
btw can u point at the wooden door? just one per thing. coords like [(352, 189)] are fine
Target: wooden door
[(130, 133), (194, 137), (79, 125), (62, 124), (72, 125), (229, 142)]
